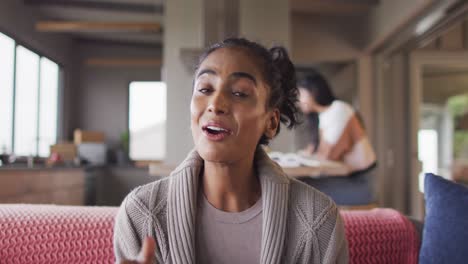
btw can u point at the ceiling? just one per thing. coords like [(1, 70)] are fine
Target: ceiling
[(102, 20), (120, 21)]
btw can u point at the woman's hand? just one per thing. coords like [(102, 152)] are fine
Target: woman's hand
[(146, 255)]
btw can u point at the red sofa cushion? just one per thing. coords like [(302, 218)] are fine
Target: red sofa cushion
[(380, 236), (81, 234), (56, 234)]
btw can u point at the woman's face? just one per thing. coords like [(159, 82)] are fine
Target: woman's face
[(307, 101), (228, 107)]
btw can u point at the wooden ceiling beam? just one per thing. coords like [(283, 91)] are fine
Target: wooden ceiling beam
[(86, 26), (332, 7), (120, 62), (109, 6)]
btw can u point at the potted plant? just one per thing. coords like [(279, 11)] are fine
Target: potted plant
[(123, 157)]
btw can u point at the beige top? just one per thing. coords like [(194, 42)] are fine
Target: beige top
[(228, 238), (300, 224)]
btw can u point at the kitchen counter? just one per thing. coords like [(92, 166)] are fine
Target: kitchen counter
[(14, 167), (105, 185), (42, 185)]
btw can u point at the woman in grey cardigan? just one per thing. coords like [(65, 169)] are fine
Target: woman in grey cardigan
[(228, 202)]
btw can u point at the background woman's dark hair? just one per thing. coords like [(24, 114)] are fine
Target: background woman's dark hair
[(317, 86), (278, 72), (313, 123)]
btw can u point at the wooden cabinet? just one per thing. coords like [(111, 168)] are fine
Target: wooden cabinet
[(43, 186)]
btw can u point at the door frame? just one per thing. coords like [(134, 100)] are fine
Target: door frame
[(419, 60)]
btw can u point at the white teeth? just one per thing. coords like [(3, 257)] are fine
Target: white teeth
[(216, 128)]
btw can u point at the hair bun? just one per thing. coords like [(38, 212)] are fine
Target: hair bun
[(286, 76)]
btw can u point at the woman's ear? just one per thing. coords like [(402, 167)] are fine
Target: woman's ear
[(272, 123)]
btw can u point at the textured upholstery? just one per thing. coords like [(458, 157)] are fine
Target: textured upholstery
[(56, 234), (79, 234), (380, 236)]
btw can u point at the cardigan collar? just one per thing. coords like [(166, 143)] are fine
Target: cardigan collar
[(182, 204)]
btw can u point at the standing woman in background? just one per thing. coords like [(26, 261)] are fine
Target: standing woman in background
[(228, 202)]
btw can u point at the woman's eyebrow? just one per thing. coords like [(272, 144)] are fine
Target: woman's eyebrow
[(209, 71), (244, 75)]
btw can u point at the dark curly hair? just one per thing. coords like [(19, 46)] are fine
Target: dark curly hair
[(316, 84), (278, 72)]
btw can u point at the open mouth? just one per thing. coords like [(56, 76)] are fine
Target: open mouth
[(215, 132)]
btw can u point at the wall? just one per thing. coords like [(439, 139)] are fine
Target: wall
[(17, 21), (390, 16), (344, 83), (183, 19), (102, 93), (267, 26), (325, 39), (438, 87)]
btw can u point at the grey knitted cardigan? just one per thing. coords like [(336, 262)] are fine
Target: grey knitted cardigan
[(300, 224)]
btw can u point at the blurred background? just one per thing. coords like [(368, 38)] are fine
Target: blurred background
[(94, 91)]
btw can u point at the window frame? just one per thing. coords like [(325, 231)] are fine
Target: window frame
[(60, 85)]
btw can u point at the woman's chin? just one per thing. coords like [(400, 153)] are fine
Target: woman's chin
[(213, 154)]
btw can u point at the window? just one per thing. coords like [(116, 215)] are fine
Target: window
[(147, 120), (28, 101), (427, 153), (7, 53), (48, 99)]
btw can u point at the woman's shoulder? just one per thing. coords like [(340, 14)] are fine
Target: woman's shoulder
[(337, 114), (300, 190), (341, 107), (149, 196), (313, 205)]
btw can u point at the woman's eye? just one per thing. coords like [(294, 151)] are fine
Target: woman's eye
[(239, 94), (204, 90)]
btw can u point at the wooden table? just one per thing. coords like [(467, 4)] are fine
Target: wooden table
[(325, 168), (317, 171)]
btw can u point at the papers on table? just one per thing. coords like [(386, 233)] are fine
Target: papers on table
[(297, 165), (292, 160)]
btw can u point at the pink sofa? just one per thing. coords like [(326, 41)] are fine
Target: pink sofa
[(81, 234)]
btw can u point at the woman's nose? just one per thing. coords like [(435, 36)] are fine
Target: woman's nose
[(219, 104)]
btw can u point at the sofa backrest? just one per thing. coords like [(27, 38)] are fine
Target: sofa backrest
[(380, 236), (83, 234), (56, 234)]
